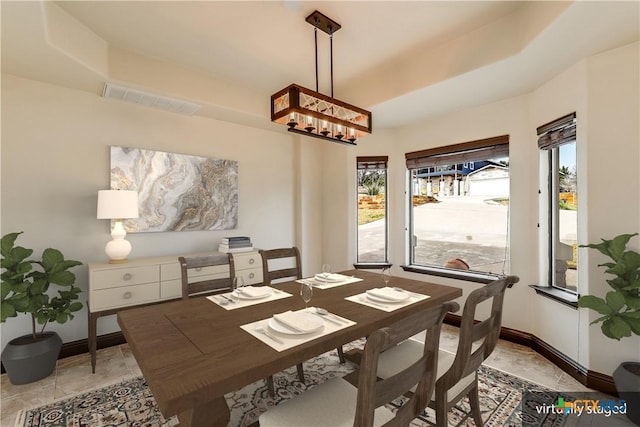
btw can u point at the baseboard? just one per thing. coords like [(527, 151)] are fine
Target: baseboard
[(592, 379)]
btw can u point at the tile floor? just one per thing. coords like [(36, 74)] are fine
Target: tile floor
[(73, 376)]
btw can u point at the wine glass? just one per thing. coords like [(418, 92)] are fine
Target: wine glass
[(386, 275), (306, 292), (326, 270), (236, 282)]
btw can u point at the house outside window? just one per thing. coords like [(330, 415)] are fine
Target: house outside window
[(371, 201), (459, 209), (559, 226)]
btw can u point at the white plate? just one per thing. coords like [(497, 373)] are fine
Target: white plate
[(331, 278), (284, 329), (239, 295), (386, 301)]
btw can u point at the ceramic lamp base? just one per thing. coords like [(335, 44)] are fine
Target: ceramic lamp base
[(118, 249)]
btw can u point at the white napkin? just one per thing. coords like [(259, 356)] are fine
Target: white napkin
[(329, 278), (255, 291), (388, 294), (298, 321)]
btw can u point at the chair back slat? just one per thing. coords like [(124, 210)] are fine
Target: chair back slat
[(373, 393), (282, 273), (194, 286), (468, 359)]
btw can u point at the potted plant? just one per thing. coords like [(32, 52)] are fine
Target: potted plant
[(620, 312), (25, 283)]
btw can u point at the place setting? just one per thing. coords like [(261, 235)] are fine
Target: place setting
[(327, 279), (290, 328), (387, 298), (245, 296)]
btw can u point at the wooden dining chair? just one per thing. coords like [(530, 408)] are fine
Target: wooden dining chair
[(284, 272), (458, 374), (293, 270), (338, 403), (194, 284)]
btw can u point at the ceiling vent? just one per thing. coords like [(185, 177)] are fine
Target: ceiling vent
[(136, 96)]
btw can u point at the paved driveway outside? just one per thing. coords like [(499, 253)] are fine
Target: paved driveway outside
[(464, 227)]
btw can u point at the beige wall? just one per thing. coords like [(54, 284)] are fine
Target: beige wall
[(295, 190), (55, 158), (613, 111), (603, 91)]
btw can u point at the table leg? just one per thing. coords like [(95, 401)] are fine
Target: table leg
[(211, 414)]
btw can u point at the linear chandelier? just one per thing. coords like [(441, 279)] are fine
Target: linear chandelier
[(311, 113)]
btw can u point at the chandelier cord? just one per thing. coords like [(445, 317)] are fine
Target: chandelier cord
[(315, 35), (331, 53)]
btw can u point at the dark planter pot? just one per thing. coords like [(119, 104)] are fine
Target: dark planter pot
[(27, 360), (627, 379)]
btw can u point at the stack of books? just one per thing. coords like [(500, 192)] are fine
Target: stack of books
[(235, 244)]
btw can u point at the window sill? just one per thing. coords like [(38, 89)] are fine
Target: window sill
[(563, 297), (466, 275), (371, 265)]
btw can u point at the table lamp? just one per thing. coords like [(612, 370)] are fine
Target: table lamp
[(117, 205)]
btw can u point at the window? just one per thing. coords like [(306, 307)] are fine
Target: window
[(372, 210), (557, 144), (459, 209)]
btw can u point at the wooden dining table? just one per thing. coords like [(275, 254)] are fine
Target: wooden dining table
[(191, 352)]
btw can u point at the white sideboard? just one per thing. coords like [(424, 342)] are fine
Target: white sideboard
[(248, 265), (114, 287)]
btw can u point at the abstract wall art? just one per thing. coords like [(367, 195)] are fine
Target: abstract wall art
[(177, 192)]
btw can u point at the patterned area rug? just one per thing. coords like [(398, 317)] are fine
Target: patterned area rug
[(130, 403)]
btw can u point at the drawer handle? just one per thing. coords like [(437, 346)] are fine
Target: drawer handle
[(252, 275), (198, 268), (127, 276), (251, 261), (127, 295)]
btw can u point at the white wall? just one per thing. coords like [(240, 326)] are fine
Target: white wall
[(506, 117), (55, 158), (603, 91), (613, 186), (557, 324)]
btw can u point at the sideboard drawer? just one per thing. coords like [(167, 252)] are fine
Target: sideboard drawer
[(249, 260), (170, 271), (104, 279), (250, 276), (124, 296)]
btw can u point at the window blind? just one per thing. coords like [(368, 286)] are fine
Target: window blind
[(372, 162), (557, 132), (472, 151)]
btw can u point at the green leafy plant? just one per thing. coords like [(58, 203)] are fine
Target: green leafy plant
[(620, 309), (372, 188), (25, 283)]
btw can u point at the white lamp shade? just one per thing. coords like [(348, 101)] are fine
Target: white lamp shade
[(117, 204)]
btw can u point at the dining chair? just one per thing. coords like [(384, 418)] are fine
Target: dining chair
[(338, 402), (457, 375), (194, 285), (287, 266), (285, 271)]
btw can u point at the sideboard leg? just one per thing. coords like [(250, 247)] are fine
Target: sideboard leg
[(93, 320)]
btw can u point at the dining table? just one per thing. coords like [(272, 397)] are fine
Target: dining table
[(193, 351)]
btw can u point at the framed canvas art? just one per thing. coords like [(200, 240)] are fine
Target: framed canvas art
[(177, 192)]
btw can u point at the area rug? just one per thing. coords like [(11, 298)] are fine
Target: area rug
[(130, 403)]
